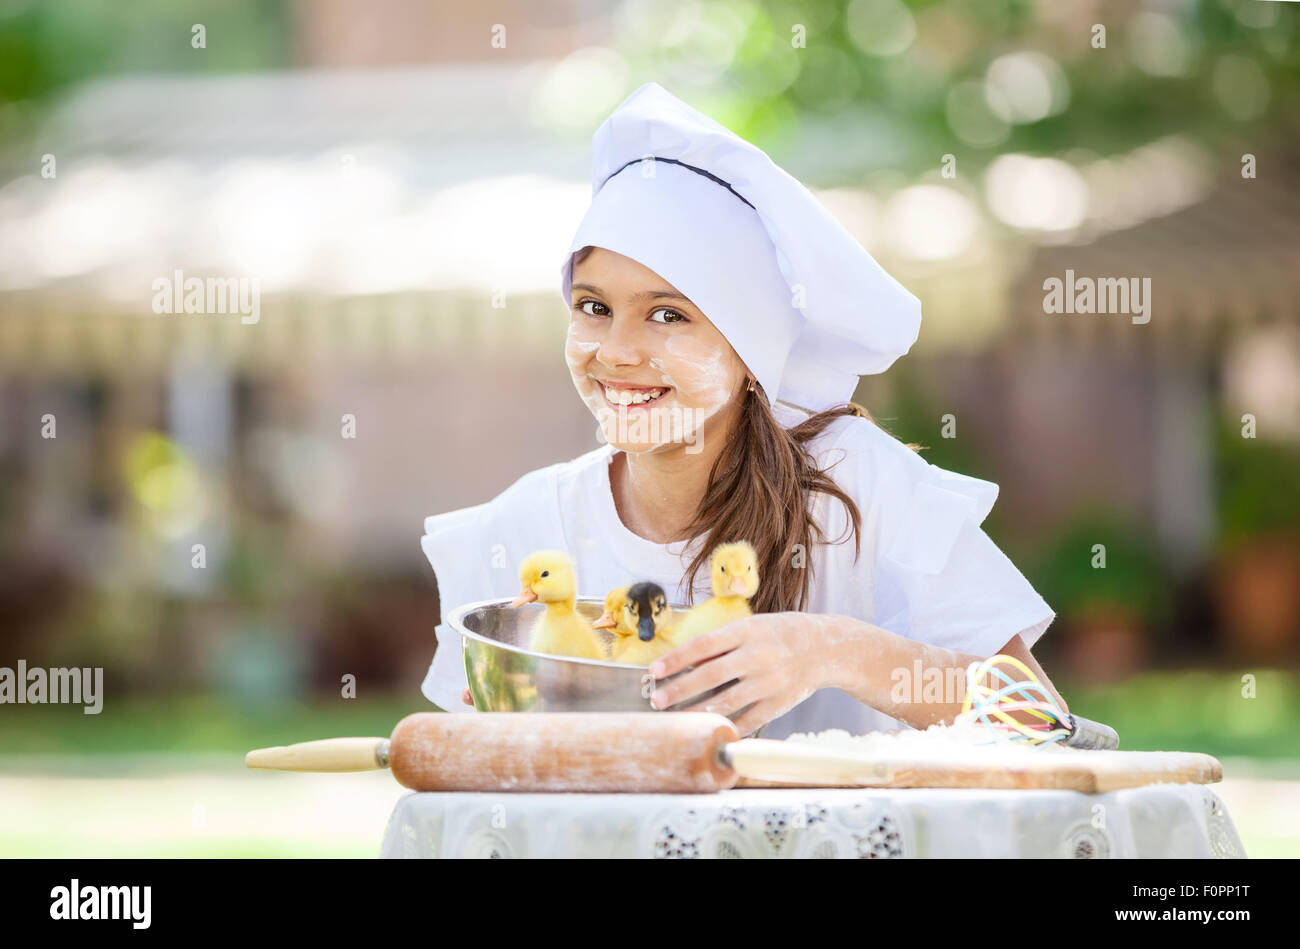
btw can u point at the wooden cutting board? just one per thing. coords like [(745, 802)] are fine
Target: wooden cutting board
[(1070, 770)]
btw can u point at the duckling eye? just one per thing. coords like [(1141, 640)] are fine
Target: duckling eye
[(546, 573), (749, 569), (724, 569)]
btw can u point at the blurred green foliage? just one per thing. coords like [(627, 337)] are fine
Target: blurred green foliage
[(1197, 710), (902, 101), (194, 723), (1258, 483), (1069, 575), (47, 46)]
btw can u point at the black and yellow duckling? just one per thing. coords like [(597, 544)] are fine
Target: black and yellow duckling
[(641, 617)]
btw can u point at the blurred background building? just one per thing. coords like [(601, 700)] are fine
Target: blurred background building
[(403, 179)]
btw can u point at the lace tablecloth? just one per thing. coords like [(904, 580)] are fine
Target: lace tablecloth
[(1159, 820)]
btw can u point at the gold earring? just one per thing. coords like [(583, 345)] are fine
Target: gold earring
[(751, 385)]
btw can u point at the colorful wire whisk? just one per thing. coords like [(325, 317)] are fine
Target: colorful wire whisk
[(988, 704)]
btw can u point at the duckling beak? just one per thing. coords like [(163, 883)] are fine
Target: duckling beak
[(606, 621), (645, 629), (737, 586), (526, 595)]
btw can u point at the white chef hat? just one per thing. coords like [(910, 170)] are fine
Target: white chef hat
[(797, 297)]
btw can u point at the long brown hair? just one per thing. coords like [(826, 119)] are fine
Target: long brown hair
[(760, 490)]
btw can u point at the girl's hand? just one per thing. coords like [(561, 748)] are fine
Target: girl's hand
[(465, 697), (779, 659)]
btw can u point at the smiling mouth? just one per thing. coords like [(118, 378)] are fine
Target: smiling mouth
[(635, 397)]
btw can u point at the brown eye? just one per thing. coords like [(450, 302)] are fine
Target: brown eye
[(546, 573), (673, 313)]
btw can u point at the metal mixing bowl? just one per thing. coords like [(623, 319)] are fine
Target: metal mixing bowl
[(506, 676)]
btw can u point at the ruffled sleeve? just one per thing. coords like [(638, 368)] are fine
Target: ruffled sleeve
[(475, 552), (936, 576), (450, 541)]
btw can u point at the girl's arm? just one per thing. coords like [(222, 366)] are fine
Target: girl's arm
[(1016, 647), (764, 665), (914, 682)]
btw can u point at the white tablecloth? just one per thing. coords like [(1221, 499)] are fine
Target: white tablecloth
[(1159, 820)]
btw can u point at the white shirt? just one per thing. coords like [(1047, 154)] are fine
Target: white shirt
[(926, 571)]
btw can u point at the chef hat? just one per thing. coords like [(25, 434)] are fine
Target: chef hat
[(796, 296)]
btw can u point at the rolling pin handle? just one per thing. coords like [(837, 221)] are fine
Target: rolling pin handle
[(330, 754)]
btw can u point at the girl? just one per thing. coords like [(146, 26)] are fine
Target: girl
[(719, 321)]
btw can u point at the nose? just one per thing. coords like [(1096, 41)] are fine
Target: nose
[(621, 343)]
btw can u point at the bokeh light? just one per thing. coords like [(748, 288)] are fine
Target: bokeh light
[(931, 222), (880, 27), (1026, 87), (1037, 194), (1262, 377), (166, 483), (1240, 86), (1158, 44), (580, 90)]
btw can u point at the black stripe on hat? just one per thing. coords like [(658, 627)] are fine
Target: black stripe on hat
[(698, 171)]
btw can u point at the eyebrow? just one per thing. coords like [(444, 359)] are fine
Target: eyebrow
[(640, 295)]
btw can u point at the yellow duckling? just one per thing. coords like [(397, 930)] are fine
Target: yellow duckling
[(547, 576), (734, 568), (615, 603), (641, 617)]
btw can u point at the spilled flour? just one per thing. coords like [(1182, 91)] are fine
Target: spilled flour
[(960, 742)]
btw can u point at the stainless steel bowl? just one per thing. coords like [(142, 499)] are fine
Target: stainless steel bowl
[(506, 676)]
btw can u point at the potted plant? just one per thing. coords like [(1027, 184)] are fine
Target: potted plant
[(1105, 581), (1256, 575)]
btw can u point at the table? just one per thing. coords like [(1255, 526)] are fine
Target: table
[(1158, 820)]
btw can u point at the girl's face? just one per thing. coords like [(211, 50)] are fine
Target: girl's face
[(651, 367)]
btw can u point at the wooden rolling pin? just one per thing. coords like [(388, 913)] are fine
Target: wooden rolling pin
[(575, 751)]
